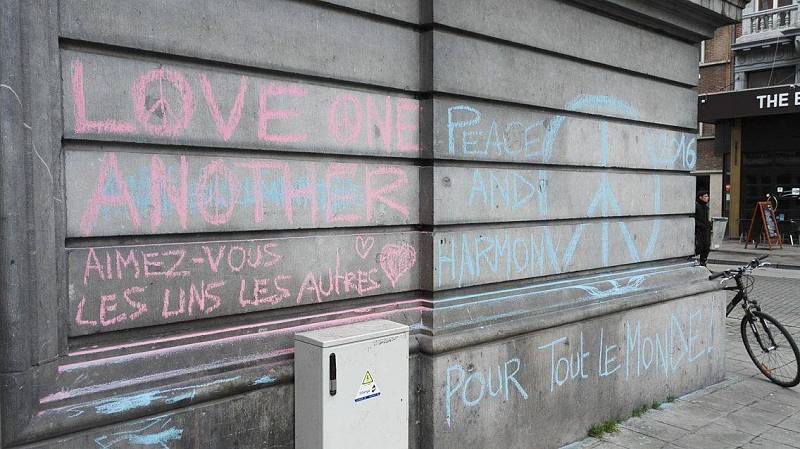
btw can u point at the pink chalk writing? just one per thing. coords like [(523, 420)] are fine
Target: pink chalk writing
[(344, 119), (162, 103), (384, 126), (188, 193), (397, 260), (177, 195), (364, 245), (225, 127), (210, 186), (172, 122), (375, 196), (99, 197), (266, 115), (340, 171), (132, 286), (84, 125), (338, 281)]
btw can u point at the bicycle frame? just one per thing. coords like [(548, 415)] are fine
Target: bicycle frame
[(740, 295), (763, 327), (749, 305)]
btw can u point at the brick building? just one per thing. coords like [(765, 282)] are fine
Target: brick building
[(716, 75), (749, 113)]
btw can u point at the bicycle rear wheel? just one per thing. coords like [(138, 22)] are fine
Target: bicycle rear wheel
[(771, 348)]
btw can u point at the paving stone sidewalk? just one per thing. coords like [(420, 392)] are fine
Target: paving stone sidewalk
[(744, 411)]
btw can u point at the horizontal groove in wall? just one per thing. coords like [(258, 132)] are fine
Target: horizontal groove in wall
[(491, 225), (166, 335), (444, 298), (221, 236), (564, 112), (199, 63), (553, 167), (104, 146), (522, 46), (66, 43), (360, 12)]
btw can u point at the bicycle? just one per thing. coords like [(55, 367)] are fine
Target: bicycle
[(778, 357)]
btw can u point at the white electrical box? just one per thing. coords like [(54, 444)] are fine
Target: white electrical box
[(351, 387)]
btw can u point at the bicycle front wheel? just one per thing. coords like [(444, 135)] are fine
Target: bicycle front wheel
[(771, 348)]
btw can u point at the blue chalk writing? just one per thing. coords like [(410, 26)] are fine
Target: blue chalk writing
[(683, 340), (476, 386), (264, 380), (120, 404), (153, 433)]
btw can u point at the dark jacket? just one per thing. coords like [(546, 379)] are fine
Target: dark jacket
[(702, 226)]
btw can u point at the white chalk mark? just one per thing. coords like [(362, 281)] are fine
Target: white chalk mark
[(28, 127), (47, 167), (6, 86)]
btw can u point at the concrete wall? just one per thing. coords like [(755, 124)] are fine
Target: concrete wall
[(185, 188), (571, 377)]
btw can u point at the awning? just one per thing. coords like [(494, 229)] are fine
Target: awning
[(748, 103)]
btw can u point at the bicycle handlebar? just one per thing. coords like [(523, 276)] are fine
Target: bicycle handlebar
[(755, 263), (716, 275)]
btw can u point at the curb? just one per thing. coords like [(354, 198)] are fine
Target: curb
[(740, 262)]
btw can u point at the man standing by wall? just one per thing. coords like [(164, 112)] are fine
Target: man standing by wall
[(702, 227)]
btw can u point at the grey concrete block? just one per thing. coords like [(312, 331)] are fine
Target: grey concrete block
[(493, 254), (298, 37), (405, 10), (690, 20), (258, 426), (512, 390), (122, 287), (112, 193), (490, 311), (469, 66), (545, 23), (136, 100), (482, 131), (480, 195)]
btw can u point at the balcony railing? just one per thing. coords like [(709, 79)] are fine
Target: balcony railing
[(777, 19)]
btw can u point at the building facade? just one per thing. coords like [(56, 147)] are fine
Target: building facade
[(186, 188), (755, 147), (716, 75)]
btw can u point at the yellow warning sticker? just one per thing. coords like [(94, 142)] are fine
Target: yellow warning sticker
[(368, 389), (367, 379)]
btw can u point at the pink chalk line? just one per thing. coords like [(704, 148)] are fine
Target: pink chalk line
[(175, 349), (75, 392)]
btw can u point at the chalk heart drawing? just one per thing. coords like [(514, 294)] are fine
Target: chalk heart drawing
[(397, 260), (364, 245)]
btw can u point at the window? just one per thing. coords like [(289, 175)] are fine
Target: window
[(702, 52), (776, 77), (764, 5)]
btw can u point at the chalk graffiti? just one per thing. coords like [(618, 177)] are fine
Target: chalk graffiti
[(628, 282), (153, 194), (130, 286), (475, 257), (665, 351), (634, 284), (153, 432), (184, 104), (397, 260), (508, 134), (586, 356), (508, 189), (121, 404), (474, 385), (265, 380)]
